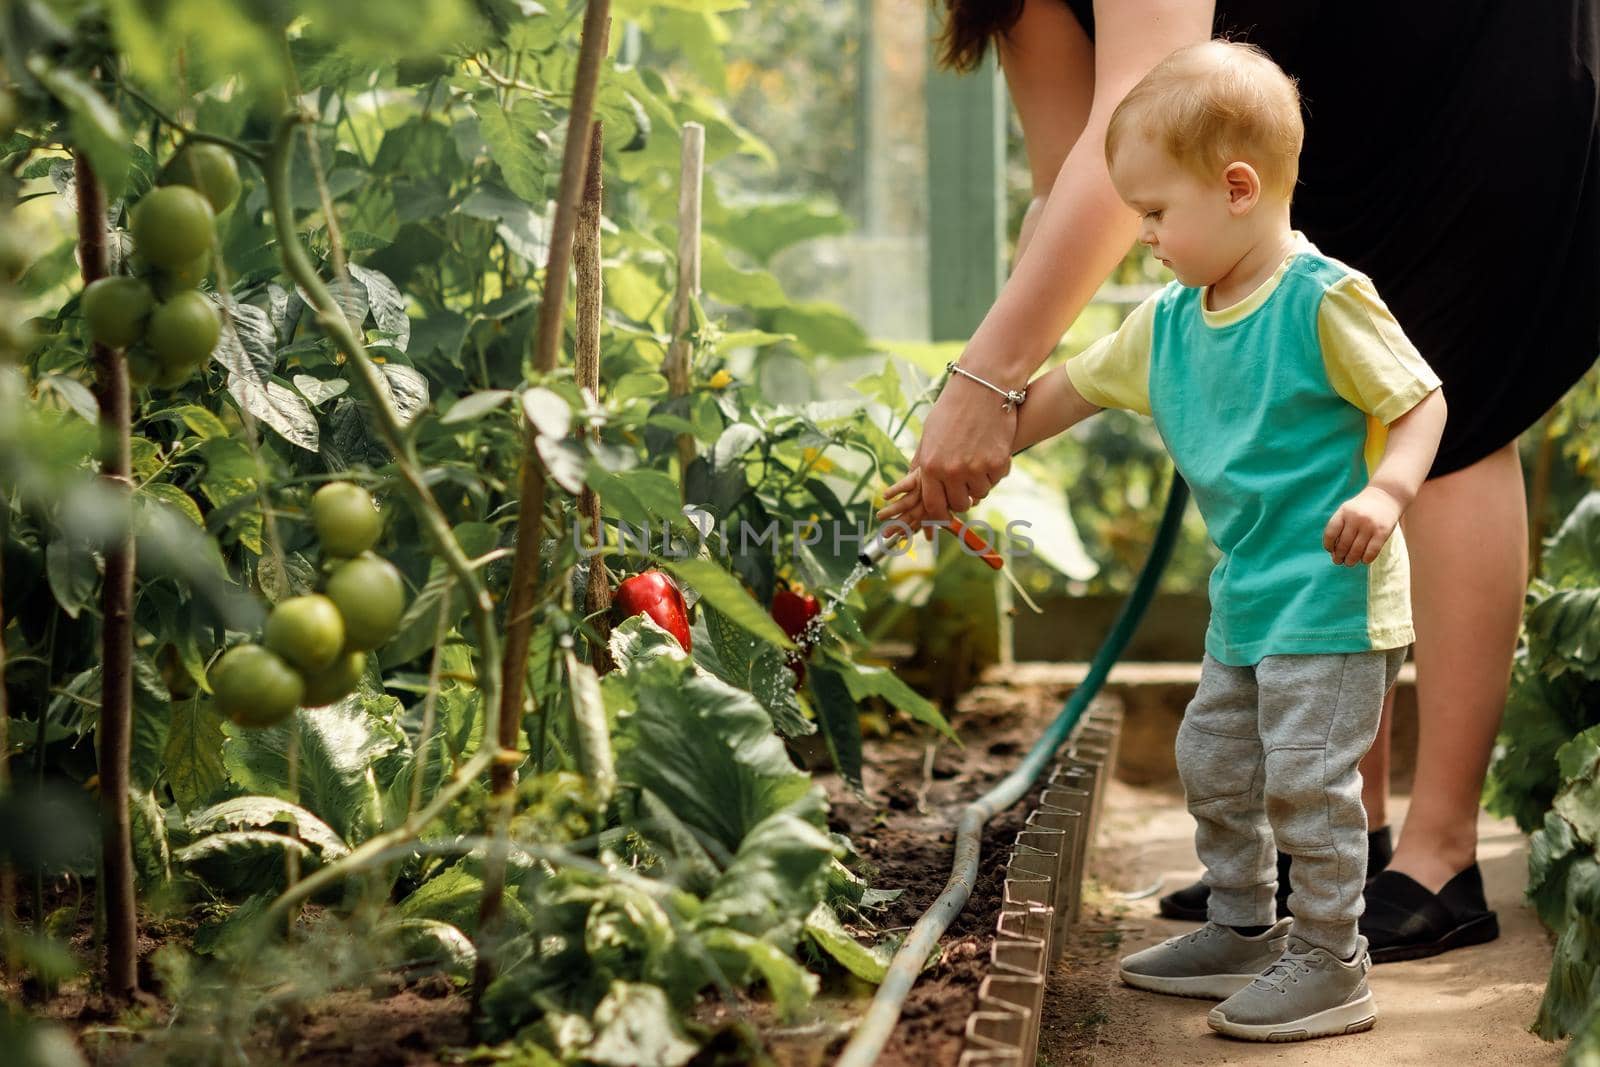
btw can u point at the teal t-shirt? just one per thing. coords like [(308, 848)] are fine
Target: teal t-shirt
[(1274, 412)]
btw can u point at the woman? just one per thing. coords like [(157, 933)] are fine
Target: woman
[(1451, 154)]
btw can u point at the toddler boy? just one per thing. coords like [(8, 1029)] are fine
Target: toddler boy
[(1304, 422)]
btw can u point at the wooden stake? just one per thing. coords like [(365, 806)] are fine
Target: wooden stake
[(116, 629), (691, 177), (531, 481), (590, 293)]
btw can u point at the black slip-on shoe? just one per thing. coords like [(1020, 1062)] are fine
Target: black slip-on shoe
[(1404, 921), (1189, 903)]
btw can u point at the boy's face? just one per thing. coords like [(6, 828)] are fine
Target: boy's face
[(1186, 222)]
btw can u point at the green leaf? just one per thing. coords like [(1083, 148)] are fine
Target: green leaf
[(248, 346), (642, 497), (230, 478), (724, 592), (705, 748), (475, 406), (742, 660), (432, 944), (148, 828), (1572, 555), (454, 897), (204, 424), (639, 638), (822, 327), (792, 985), (518, 143), (635, 1026), (777, 877), (867, 681), (840, 719), (387, 306), (267, 813), (73, 574), (283, 410), (96, 128), (731, 285), (1564, 632), (338, 746), (319, 390), (244, 860), (193, 753), (869, 963), (176, 498), (764, 229), (591, 735)]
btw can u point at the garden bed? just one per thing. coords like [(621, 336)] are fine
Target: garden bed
[(904, 829)]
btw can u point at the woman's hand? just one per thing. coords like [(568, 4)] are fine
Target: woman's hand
[(964, 451), (1360, 528)]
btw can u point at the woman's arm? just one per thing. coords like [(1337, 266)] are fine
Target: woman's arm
[(1048, 62), (1083, 232)]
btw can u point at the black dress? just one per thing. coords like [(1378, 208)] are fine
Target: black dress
[(1452, 154)]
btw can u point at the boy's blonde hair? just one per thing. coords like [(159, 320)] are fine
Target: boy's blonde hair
[(1211, 103)]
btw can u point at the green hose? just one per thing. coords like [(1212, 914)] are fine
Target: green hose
[(884, 1012)]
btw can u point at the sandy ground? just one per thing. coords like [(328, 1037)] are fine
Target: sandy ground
[(1472, 1006)]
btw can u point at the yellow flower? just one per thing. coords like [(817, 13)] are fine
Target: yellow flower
[(721, 380), (817, 461)]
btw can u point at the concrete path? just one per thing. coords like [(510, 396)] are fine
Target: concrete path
[(1472, 1006)]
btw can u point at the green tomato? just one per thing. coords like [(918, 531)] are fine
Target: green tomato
[(172, 225), (183, 331), (143, 368), (255, 687), (116, 309), (371, 596), (208, 168), (169, 283), (308, 631), (335, 681), (347, 521)]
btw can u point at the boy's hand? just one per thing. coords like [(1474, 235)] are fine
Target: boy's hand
[(908, 508), (1360, 528)]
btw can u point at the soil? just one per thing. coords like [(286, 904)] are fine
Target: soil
[(904, 828)]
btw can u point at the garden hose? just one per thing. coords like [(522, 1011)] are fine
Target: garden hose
[(870, 1037)]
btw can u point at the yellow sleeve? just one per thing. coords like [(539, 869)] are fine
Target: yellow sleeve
[(1370, 360), (1114, 372)]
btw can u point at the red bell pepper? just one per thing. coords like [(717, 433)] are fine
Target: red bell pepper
[(793, 612), (655, 594)]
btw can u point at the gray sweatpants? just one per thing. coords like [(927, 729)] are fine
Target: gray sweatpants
[(1270, 752)]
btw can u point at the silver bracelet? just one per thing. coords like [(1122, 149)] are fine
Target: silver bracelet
[(1013, 397)]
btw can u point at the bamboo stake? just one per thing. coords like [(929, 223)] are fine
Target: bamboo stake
[(116, 630), (590, 293), (531, 482), (691, 177)]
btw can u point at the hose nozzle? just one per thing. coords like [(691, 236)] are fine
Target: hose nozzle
[(887, 537)]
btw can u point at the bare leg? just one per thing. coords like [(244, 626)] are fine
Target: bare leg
[(1375, 770), (1468, 537)]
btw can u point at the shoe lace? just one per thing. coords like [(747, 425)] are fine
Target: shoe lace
[(1286, 968)]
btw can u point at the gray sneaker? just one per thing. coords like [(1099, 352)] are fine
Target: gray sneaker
[(1212, 962), (1307, 993)]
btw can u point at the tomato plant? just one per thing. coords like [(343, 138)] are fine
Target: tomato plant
[(333, 268)]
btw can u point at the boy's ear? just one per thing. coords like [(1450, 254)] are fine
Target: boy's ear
[(1244, 186)]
